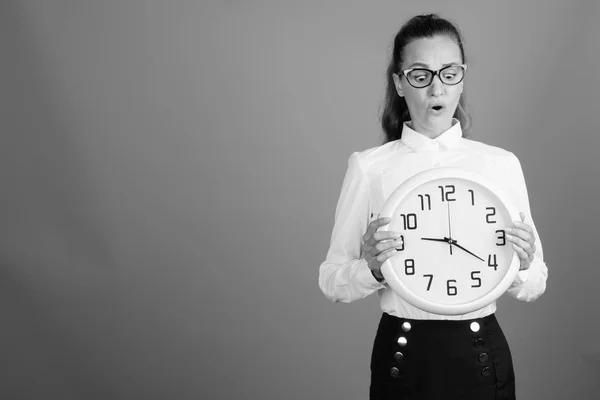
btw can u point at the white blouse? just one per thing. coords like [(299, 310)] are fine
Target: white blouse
[(371, 177)]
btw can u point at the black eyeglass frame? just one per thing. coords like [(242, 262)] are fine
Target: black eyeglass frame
[(433, 74)]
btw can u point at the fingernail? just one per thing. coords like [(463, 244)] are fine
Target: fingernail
[(509, 236)]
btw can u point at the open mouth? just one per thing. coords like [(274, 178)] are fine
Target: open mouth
[(437, 108)]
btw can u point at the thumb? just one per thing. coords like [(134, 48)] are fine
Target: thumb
[(522, 216)]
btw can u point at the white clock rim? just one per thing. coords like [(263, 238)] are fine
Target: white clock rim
[(393, 280)]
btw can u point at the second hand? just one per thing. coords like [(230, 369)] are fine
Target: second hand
[(449, 228)]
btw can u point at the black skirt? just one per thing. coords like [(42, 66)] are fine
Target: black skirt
[(441, 359)]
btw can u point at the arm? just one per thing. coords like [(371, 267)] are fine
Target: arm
[(344, 275), (531, 283)]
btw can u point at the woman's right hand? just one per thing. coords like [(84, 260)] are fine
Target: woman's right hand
[(377, 247)]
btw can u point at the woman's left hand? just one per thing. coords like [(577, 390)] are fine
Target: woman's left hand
[(523, 241)]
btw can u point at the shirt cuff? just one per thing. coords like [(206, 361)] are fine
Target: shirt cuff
[(365, 275), (521, 278)]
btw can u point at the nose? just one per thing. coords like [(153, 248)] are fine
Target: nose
[(436, 87)]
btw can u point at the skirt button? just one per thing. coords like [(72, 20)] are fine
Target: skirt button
[(402, 341), (398, 356), (474, 327), (486, 371), (406, 326), (394, 372), (478, 342), (483, 357)]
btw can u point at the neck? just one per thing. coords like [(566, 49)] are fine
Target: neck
[(431, 133)]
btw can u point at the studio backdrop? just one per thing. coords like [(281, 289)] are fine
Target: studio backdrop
[(169, 172)]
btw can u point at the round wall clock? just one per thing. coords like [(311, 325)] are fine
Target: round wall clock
[(454, 256)]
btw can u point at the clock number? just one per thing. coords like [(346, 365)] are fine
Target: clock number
[(502, 237), (409, 265), (402, 246), (410, 221), (422, 197), (445, 195), (475, 278), (451, 289), (430, 279), (490, 214), (492, 261), (472, 197)]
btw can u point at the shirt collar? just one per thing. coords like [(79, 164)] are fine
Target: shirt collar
[(448, 139)]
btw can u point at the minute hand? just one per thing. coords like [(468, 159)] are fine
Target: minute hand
[(462, 248)]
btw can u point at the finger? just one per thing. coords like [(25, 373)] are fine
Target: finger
[(524, 244), (378, 248), (382, 257), (520, 233), (371, 241), (366, 250), (525, 253), (381, 235), (386, 235), (523, 226), (383, 246), (521, 253), (374, 225), (372, 251)]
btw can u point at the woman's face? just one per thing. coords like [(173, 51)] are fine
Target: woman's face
[(432, 53)]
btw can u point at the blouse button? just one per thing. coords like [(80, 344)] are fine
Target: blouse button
[(483, 357)]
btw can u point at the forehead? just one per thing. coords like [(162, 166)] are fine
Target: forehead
[(431, 51)]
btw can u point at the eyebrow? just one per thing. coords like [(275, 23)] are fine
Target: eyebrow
[(420, 64)]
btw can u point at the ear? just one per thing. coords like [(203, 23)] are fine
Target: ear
[(399, 89)]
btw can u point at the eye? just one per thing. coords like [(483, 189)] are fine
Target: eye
[(452, 74), (419, 76)]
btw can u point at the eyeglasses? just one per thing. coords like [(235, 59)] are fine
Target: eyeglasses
[(422, 77)]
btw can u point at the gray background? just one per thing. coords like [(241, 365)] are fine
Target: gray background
[(170, 171)]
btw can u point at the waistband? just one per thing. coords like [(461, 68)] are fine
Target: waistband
[(474, 324)]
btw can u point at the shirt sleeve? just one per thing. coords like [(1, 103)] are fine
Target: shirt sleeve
[(344, 276), (531, 283)]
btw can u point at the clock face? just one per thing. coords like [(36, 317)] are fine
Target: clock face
[(455, 257)]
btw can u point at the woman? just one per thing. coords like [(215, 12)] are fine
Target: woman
[(423, 120)]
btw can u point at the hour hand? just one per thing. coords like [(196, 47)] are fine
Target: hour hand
[(445, 240), (462, 248)]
